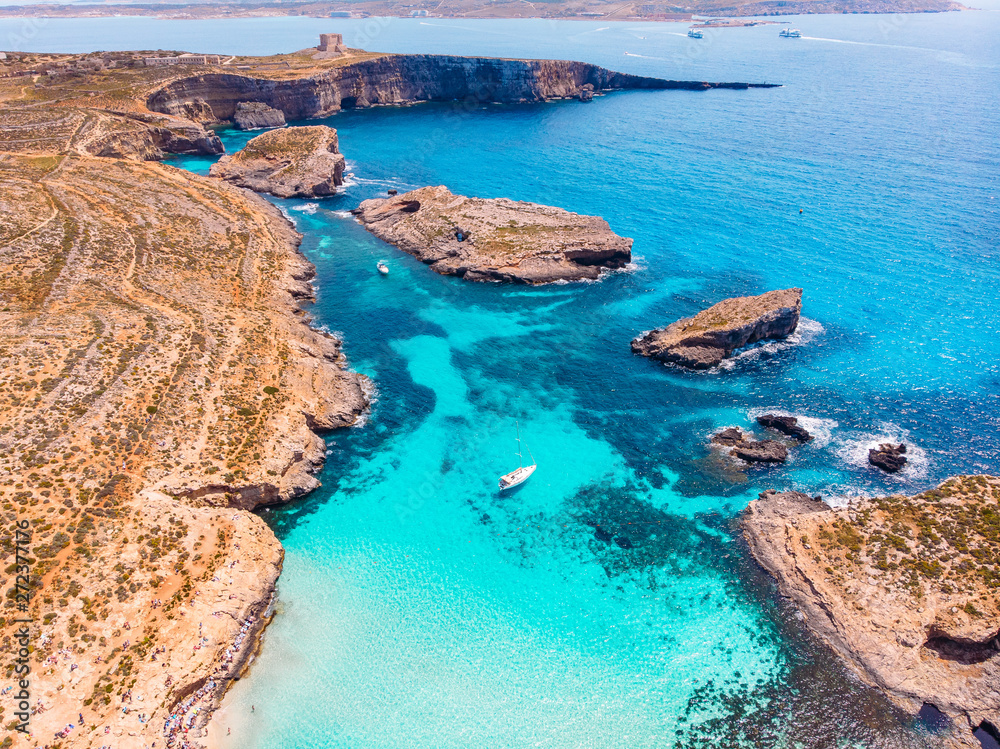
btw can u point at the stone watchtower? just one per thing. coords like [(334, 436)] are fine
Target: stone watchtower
[(332, 43)]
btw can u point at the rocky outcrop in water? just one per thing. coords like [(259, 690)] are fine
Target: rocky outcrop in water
[(787, 425), (254, 115), (703, 341), (301, 162), (397, 79), (889, 457), (901, 588), (751, 450), (497, 239)]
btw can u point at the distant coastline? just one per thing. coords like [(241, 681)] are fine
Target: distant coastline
[(590, 10)]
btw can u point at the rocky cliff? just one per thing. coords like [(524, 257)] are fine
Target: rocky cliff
[(301, 162), (143, 137), (495, 240), (902, 588), (703, 341), (253, 115), (395, 79)]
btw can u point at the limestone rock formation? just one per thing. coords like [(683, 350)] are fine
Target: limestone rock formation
[(254, 115), (300, 162), (396, 79), (889, 457), (703, 341), (144, 137), (496, 239), (787, 425), (902, 588), (750, 450)]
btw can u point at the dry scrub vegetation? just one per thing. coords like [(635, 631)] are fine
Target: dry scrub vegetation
[(158, 378)]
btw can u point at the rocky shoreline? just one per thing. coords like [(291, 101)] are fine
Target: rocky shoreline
[(893, 585), (214, 96)]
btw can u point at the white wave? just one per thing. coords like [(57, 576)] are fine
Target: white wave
[(371, 392), (806, 332), (309, 208), (636, 264), (854, 453), (821, 429), (342, 214)]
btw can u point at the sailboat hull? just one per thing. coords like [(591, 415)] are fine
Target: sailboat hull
[(514, 478)]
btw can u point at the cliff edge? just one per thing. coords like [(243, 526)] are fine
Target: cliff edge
[(903, 589), (214, 95)]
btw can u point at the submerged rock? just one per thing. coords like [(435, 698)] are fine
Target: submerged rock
[(299, 162), (750, 450), (255, 115), (703, 341), (916, 619), (889, 457), (787, 425), (496, 239)]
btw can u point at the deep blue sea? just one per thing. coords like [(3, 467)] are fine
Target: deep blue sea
[(420, 610)]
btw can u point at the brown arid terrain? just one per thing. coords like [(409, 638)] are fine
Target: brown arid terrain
[(905, 589), (599, 10), (159, 379)]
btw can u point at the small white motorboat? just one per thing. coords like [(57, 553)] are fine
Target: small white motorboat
[(695, 34), (382, 268), (522, 472), (790, 33)]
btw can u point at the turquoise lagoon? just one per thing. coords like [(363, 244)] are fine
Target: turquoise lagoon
[(420, 609)]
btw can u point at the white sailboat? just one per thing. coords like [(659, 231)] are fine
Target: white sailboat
[(521, 474)]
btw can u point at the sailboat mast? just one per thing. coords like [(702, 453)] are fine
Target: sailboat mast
[(519, 459)]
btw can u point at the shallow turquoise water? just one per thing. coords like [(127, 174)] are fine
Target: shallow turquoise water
[(420, 609)]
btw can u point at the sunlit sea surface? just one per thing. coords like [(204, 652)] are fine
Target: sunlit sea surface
[(418, 608)]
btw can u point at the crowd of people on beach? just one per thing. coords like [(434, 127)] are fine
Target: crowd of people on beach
[(180, 721)]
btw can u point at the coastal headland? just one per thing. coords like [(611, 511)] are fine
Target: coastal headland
[(161, 379), (903, 589)]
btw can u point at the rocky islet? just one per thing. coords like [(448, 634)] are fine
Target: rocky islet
[(706, 339), (496, 239)]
